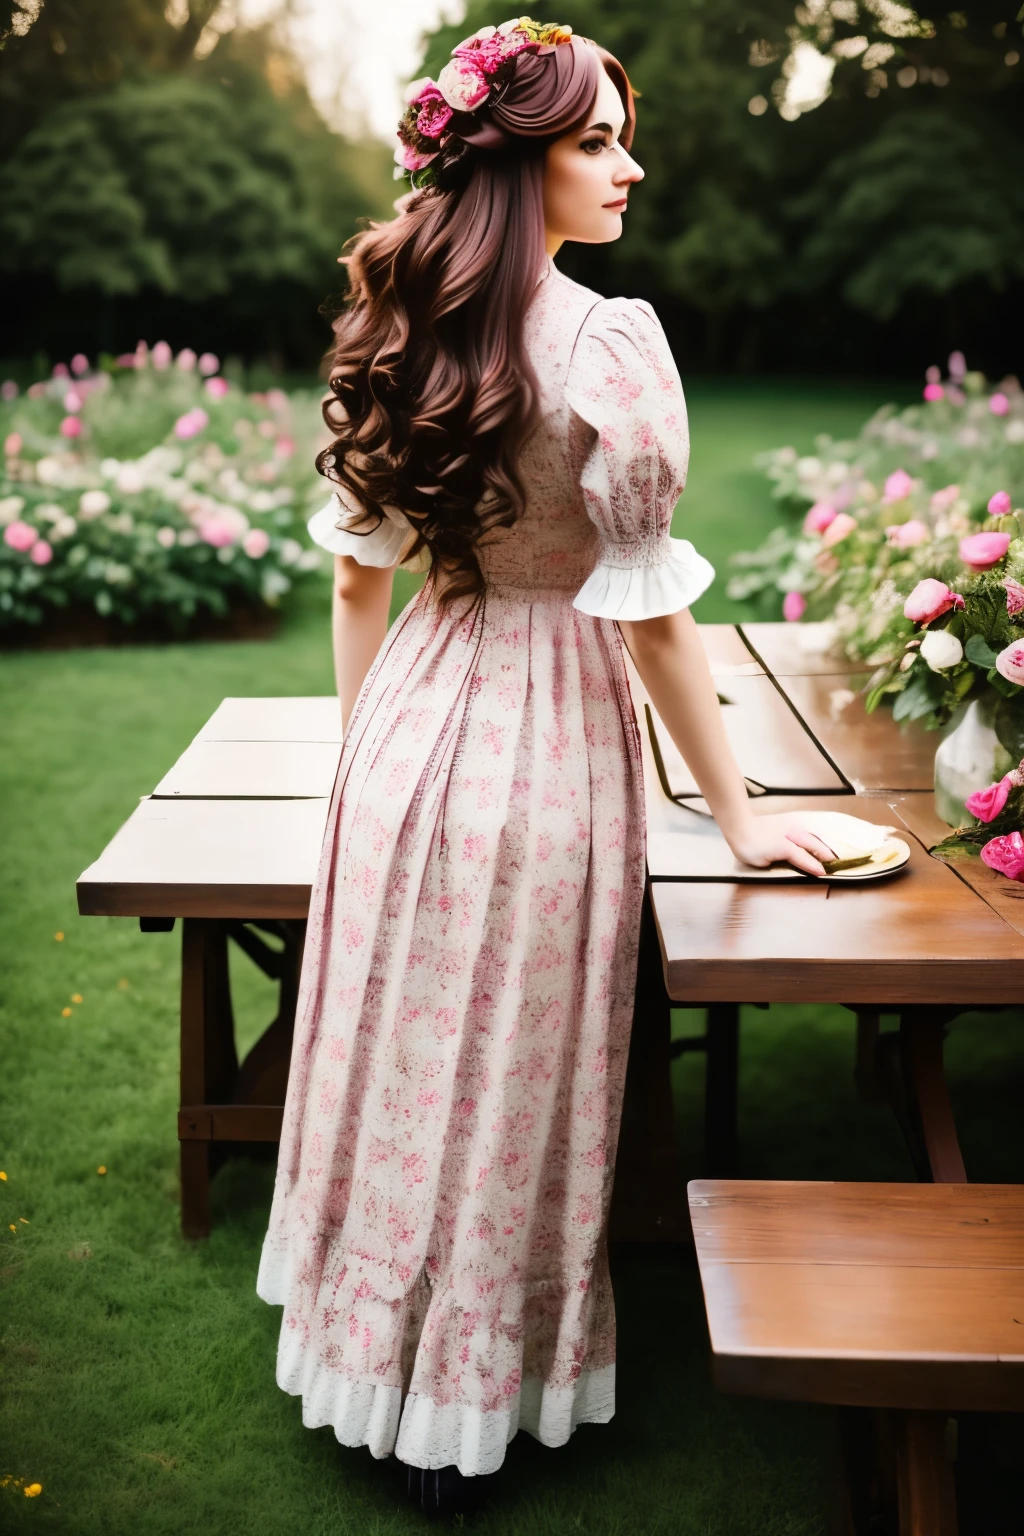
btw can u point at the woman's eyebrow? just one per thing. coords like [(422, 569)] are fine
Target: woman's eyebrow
[(607, 127)]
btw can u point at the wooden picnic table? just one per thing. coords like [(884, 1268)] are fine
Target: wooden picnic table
[(229, 840)]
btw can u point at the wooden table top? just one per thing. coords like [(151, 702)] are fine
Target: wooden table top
[(903, 1295), (873, 752), (262, 770), (208, 858), (311, 718), (783, 651), (918, 936)]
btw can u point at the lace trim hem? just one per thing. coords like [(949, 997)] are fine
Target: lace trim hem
[(646, 591)]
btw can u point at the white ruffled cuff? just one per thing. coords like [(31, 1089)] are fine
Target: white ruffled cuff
[(646, 591), (382, 546)]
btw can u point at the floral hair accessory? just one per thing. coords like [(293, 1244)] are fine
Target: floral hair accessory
[(475, 76)]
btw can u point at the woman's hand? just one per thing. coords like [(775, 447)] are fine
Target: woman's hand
[(764, 840)]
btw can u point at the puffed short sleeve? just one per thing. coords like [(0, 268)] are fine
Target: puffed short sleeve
[(623, 383), (382, 546)]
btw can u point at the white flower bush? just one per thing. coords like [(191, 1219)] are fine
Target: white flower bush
[(152, 489)]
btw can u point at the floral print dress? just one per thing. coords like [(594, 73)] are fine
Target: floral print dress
[(438, 1232)]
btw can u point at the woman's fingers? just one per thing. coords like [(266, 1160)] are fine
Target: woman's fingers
[(798, 855), (811, 841)]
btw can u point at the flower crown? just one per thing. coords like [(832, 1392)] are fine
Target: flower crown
[(476, 74)]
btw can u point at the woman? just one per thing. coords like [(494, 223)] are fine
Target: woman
[(438, 1233)]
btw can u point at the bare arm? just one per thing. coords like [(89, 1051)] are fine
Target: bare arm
[(359, 623), (671, 662)]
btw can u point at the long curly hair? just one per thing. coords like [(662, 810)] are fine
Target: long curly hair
[(432, 395)]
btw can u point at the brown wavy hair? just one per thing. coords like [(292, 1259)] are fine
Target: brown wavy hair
[(432, 395)]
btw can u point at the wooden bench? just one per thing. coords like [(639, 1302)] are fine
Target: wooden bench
[(902, 1303)]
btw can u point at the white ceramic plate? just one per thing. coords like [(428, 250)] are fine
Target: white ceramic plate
[(891, 856)]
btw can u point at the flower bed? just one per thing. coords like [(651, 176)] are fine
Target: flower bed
[(153, 493)]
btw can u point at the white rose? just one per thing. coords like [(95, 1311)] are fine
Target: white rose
[(10, 508), (166, 538), (130, 480), (93, 504), (940, 649), (64, 528), (49, 512)]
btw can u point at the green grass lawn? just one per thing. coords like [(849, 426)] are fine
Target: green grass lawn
[(138, 1370)]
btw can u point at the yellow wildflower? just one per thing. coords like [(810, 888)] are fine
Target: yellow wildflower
[(24, 1222), (76, 997), (124, 984), (102, 1168), (12, 1226), (66, 1013), (3, 1177), (33, 1490), (59, 937)]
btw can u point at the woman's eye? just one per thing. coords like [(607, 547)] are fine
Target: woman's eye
[(590, 145)]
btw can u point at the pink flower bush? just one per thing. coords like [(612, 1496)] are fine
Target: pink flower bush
[(1006, 854), (161, 356), (929, 599), (20, 536), (1000, 504), (256, 543), (209, 363), (981, 551), (933, 392), (186, 360), (998, 403), (819, 517), (217, 531), (73, 401), (8, 390), (987, 803), (60, 371), (898, 486), (841, 526), (1010, 663), (12, 445), (79, 364), (71, 427), (1014, 596), (957, 366), (41, 552), (794, 606), (217, 388), (284, 448), (908, 535)]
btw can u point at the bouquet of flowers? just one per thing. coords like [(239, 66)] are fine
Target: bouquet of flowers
[(910, 554), (151, 487)]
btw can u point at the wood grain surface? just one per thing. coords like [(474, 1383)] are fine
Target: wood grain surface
[(917, 813), (781, 651), (896, 1295), (246, 770), (208, 858), (874, 752)]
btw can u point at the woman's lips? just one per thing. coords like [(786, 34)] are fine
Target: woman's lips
[(619, 203)]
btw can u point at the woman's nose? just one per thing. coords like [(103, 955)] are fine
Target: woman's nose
[(628, 171)]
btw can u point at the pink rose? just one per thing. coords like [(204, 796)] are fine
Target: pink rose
[(933, 375), (161, 356), (839, 528), (127, 360), (942, 500), (794, 606), (216, 531), (186, 360), (412, 159), (12, 445), (20, 536), (908, 535), (216, 388), (1014, 596), (284, 448), (463, 84), (73, 400), (71, 427), (819, 517), (79, 364), (934, 392), (434, 113), (41, 553), (929, 599), (256, 543), (1010, 663), (987, 803), (191, 423), (8, 390), (981, 551), (1000, 504), (898, 486), (208, 363), (1006, 854), (60, 371), (998, 403), (957, 365)]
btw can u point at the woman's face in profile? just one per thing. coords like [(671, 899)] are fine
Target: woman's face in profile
[(588, 174)]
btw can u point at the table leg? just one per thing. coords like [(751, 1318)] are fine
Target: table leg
[(649, 1197), (208, 1060), (721, 1089), (927, 1494), (921, 1041)]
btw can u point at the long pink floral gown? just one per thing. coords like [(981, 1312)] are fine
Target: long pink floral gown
[(438, 1231)]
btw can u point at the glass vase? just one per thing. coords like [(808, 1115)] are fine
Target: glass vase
[(968, 758)]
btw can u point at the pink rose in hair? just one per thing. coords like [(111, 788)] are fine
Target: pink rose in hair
[(1014, 596), (1006, 854), (410, 160), (987, 803), (434, 113), (929, 599), (1000, 504), (981, 551), (463, 85), (1010, 663), (819, 517), (908, 535), (794, 606), (898, 486)]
